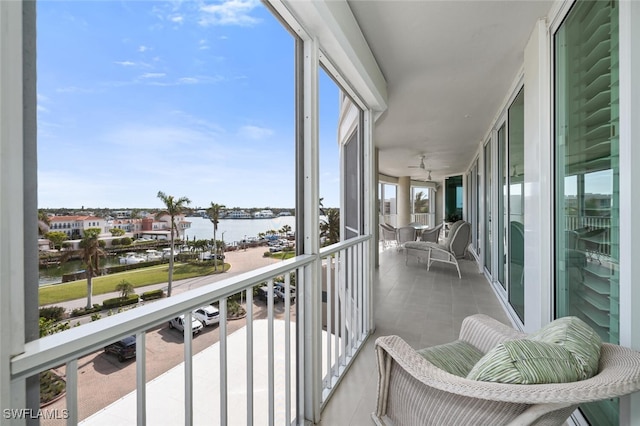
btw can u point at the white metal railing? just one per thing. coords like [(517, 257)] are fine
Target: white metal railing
[(346, 307), (347, 311), (576, 222)]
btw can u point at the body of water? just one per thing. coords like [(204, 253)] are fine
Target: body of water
[(53, 274), (236, 230)]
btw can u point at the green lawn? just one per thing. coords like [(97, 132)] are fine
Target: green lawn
[(56, 293)]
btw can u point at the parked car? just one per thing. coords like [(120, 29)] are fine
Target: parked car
[(263, 294), (207, 315), (178, 323), (123, 349), (279, 291)]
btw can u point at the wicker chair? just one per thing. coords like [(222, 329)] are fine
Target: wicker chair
[(413, 391), (406, 234), (388, 235), (431, 235)]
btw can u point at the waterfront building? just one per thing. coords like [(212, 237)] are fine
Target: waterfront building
[(74, 226)]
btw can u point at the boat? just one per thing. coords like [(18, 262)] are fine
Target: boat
[(238, 214), (153, 255), (131, 258), (263, 214)]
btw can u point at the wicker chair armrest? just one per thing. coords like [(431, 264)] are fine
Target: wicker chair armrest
[(485, 332), (619, 375)]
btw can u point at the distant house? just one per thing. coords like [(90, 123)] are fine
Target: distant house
[(74, 226), (159, 228)]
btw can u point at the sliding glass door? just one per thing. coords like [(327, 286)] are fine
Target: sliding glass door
[(587, 168), (515, 200)]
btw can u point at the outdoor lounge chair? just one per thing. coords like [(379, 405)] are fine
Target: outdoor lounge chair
[(452, 249), (413, 391)]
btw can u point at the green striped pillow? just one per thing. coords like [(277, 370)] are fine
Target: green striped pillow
[(577, 337), (526, 362), (456, 357)]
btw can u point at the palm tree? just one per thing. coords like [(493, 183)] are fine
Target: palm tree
[(330, 227), (90, 253), (174, 208), (43, 222), (420, 204), (214, 216), (285, 229)]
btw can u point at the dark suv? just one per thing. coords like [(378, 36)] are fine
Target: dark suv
[(124, 349)]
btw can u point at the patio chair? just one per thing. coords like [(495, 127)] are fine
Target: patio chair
[(449, 251), (431, 235), (406, 234), (388, 234), (414, 391)]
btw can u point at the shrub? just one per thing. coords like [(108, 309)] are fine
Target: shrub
[(152, 294), (115, 242), (55, 313), (78, 312), (116, 302), (126, 241)]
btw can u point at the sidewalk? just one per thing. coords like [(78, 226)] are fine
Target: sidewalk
[(241, 261)]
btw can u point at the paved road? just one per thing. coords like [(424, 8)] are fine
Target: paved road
[(102, 379)]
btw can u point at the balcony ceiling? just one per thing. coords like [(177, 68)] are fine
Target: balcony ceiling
[(449, 66)]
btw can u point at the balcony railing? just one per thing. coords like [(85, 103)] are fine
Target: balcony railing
[(345, 308)]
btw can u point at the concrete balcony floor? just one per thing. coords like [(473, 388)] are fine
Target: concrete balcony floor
[(425, 308)]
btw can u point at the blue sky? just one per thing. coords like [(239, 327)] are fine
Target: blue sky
[(193, 98)]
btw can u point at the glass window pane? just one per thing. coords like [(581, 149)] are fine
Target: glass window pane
[(587, 167), (487, 206), (502, 206), (516, 204)]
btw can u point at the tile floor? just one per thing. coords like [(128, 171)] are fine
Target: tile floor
[(424, 308)]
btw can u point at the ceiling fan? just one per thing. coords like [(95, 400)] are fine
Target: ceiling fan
[(421, 165)]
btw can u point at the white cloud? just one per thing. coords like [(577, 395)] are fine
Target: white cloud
[(153, 75), (143, 48), (255, 132), (178, 19), (74, 89), (229, 12), (42, 109), (125, 63), (188, 80), (203, 45)]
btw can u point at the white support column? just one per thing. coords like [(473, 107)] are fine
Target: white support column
[(404, 200), (12, 280), (311, 336), (629, 19)]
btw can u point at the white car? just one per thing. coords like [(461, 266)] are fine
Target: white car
[(178, 323), (207, 315), (279, 292)]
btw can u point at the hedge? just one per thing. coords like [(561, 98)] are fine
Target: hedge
[(116, 302), (152, 294)]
